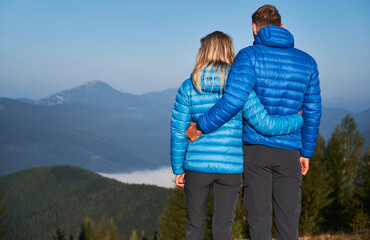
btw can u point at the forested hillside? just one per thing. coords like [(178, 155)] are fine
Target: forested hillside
[(41, 199)]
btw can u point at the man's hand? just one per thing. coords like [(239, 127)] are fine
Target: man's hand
[(180, 180), (192, 133), (305, 162)]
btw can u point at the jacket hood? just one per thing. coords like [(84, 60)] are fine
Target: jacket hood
[(211, 79), (274, 36)]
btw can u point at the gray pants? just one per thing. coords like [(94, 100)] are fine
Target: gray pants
[(226, 188), (272, 180)]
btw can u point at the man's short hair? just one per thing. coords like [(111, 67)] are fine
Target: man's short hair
[(266, 15)]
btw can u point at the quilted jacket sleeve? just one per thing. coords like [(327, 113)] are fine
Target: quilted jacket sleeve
[(180, 121), (239, 84), (311, 115), (270, 125)]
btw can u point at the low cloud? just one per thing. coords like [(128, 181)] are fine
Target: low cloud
[(162, 177)]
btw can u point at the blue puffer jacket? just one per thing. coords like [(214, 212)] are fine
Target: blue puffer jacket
[(220, 151), (284, 78)]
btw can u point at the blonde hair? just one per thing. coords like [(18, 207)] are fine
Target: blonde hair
[(216, 51)]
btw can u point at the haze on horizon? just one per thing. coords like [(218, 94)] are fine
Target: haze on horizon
[(144, 46)]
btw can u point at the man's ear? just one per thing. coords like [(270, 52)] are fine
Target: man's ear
[(255, 29), (281, 25)]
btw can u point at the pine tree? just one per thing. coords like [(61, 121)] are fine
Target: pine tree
[(360, 221), (351, 144), (344, 162), (112, 231), (315, 191), (143, 235), (173, 220), (88, 231), (102, 230), (134, 235)]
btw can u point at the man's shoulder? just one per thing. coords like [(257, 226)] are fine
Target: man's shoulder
[(249, 50), (247, 54), (305, 56)]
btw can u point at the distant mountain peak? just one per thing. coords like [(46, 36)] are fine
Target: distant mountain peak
[(93, 82), (94, 85), (78, 94)]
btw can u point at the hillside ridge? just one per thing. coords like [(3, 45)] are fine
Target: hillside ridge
[(40, 199)]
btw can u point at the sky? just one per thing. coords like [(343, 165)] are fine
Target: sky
[(144, 45)]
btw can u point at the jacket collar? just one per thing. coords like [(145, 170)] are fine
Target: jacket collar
[(211, 79), (274, 36)]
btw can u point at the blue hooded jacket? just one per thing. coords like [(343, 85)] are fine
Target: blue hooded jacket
[(220, 151), (284, 78)]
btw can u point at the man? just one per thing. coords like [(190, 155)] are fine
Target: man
[(286, 81)]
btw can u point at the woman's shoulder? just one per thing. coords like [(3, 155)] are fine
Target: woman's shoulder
[(186, 86)]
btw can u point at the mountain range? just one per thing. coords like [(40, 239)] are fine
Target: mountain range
[(99, 128), (92, 126)]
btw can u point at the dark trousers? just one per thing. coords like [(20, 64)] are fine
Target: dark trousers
[(272, 183), (226, 188)]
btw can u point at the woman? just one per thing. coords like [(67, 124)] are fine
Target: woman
[(215, 160)]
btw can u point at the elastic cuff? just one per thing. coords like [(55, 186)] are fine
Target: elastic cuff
[(198, 127), (178, 172), (306, 154), (201, 126)]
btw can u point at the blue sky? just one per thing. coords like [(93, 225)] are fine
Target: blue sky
[(142, 46)]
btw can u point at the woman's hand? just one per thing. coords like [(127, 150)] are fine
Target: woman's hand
[(180, 180), (305, 162)]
